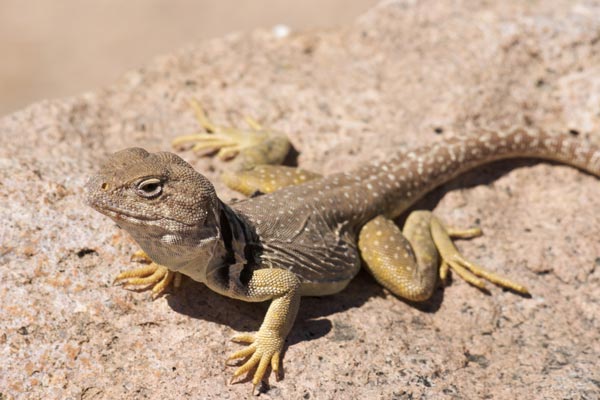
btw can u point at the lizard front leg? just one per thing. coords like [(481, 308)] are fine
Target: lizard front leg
[(151, 276), (264, 348)]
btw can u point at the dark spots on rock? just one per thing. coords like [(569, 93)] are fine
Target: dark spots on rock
[(424, 381), (438, 130), (467, 309), (573, 132), (450, 390), (85, 251), (478, 359), (543, 272), (29, 250), (148, 323), (403, 395), (418, 322), (343, 332)]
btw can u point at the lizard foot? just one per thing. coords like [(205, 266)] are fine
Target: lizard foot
[(152, 275), (264, 349), (227, 140), (467, 270)]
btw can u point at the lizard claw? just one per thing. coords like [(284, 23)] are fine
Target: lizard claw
[(155, 277), (467, 270), (264, 350), (243, 338), (228, 141)]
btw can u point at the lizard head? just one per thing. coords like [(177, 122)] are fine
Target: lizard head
[(152, 192)]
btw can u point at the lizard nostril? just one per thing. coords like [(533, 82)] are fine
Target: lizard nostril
[(104, 186)]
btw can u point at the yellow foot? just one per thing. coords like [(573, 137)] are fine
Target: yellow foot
[(452, 259), (227, 140), (151, 276), (264, 349)]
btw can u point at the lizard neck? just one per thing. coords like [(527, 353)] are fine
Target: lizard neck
[(225, 252), (188, 251), (217, 247), (239, 242)]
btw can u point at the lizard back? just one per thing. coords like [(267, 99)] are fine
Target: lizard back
[(311, 228), (304, 236)]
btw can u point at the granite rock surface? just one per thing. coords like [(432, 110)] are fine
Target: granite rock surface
[(404, 74)]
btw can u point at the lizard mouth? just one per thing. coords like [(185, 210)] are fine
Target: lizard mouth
[(118, 214), (122, 215)]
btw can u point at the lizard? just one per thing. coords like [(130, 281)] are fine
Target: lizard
[(307, 234)]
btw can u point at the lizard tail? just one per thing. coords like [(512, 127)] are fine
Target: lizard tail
[(409, 175)]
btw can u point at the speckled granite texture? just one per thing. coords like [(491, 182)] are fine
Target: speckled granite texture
[(406, 73)]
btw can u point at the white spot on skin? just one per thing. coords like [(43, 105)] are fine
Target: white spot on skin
[(170, 238), (517, 139)]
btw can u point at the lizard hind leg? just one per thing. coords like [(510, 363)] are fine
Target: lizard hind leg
[(403, 262), (408, 262), (251, 147), (258, 153)]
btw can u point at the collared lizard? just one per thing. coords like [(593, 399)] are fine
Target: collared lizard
[(307, 235)]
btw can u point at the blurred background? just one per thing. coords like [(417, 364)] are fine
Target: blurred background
[(56, 48)]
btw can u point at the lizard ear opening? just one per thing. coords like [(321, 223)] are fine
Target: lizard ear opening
[(149, 188)]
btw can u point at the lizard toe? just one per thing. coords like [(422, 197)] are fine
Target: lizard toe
[(467, 270), (152, 277), (264, 351)]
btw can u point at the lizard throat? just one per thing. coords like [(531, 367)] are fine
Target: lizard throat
[(238, 260)]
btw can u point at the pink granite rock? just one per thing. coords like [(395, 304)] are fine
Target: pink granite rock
[(404, 74)]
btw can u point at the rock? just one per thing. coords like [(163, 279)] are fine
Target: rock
[(406, 73)]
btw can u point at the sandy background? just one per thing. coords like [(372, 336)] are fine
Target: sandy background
[(58, 48), (405, 73)]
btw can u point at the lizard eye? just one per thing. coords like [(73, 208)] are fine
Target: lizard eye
[(149, 188)]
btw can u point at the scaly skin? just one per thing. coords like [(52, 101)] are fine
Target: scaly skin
[(305, 239)]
